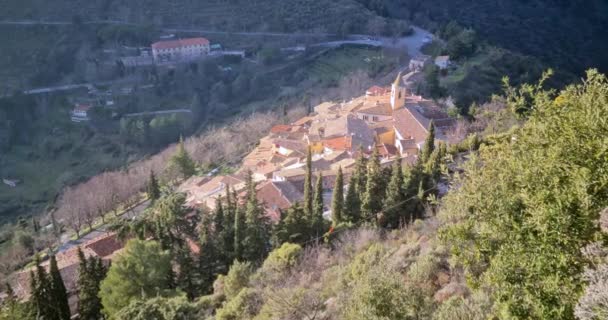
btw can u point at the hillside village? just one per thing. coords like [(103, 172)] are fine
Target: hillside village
[(391, 120)]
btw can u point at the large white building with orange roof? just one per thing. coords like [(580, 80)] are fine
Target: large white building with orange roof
[(180, 50)]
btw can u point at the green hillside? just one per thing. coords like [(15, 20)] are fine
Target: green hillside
[(567, 34), (234, 15)]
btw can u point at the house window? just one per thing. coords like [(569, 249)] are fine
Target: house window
[(365, 118), (399, 94), (375, 118)]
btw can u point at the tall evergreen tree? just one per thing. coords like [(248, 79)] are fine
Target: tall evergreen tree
[(182, 161), (58, 293), (352, 202), (393, 206), (239, 234), (90, 274), (317, 223), (374, 192), (337, 202), (293, 227), (257, 235), (429, 144), (360, 174), (308, 193), (185, 279), (208, 258), (226, 245), (41, 293), (153, 188)]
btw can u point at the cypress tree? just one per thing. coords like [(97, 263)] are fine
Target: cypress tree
[(218, 216), (308, 193), (226, 245), (208, 258), (352, 203), (429, 144), (153, 188), (360, 174), (317, 221), (58, 293), (374, 193), (393, 205), (256, 226), (337, 202), (239, 233), (186, 277), (41, 293), (90, 274)]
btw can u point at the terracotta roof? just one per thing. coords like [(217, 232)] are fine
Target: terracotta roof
[(281, 128), (377, 91), (303, 121), (377, 108), (386, 150), (105, 246), (339, 144), (82, 107), (171, 44)]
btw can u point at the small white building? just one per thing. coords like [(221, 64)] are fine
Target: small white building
[(180, 50), (81, 113), (443, 62), (418, 63)]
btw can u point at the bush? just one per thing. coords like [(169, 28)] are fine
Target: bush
[(380, 294), (237, 279), (245, 305)]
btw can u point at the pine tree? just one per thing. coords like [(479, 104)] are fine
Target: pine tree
[(374, 193), (337, 203), (393, 205), (182, 161), (58, 293), (360, 174), (239, 234), (208, 258), (90, 274), (256, 226), (352, 203), (317, 222), (308, 196), (186, 277), (41, 293), (153, 188), (226, 244), (293, 227), (429, 144)]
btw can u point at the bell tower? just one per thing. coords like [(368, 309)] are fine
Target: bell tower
[(398, 93)]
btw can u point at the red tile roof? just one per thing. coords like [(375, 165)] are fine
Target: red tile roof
[(82, 107), (105, 246), (172, 44), (281, 128), (339, 144), (377, 91)]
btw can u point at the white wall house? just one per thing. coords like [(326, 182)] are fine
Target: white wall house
[(180, 50), (443, 62), (81, 113)]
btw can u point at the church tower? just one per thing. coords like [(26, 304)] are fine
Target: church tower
[(398, 93)]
